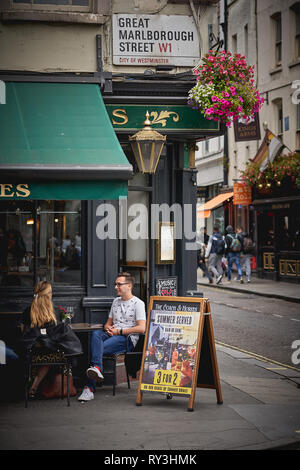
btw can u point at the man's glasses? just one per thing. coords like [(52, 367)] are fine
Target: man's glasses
[(120, 283)]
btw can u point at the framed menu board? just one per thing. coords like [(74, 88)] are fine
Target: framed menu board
[(179, 338)]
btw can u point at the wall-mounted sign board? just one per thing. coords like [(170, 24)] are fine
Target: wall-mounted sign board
[(179, 350), (151, 40)]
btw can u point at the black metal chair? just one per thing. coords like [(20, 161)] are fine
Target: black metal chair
[(64, 365), (132, 360)]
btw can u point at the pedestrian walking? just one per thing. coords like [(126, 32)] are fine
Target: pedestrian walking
[(214, 253), (233, 250), (247, 252), (202, 263)]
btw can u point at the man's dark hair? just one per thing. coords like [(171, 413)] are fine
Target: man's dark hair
[(128, 277), (216, 228)]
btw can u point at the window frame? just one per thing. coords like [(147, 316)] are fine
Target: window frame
[(51, 8), (277, 19), (58, 287)]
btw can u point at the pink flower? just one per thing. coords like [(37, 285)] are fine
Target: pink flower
[(214, 98)]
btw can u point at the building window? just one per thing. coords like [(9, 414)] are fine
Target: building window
[(278, 38), (40, 240), (66, 5), (296, 13), (246, 40), (279, 117), (298, 126), (234, 44)]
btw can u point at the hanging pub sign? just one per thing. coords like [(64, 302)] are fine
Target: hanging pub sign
[(179, 350), (151, 40), (242, 194), (250, 131)]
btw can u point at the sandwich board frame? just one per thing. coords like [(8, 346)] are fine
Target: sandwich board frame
[(179, 349)]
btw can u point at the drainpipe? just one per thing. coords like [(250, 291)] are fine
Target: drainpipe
[(226, 158)]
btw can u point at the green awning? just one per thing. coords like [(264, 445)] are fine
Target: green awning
[(59, 132)]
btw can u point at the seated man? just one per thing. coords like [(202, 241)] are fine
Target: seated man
[(127, 315)]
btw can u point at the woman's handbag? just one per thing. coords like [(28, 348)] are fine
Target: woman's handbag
[(51, 387)]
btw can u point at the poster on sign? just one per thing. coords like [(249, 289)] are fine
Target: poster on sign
[(242, 194), (155, 40), (166, 286), (179, 351)]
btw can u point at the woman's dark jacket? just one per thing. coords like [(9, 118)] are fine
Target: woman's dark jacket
[(50, 336)]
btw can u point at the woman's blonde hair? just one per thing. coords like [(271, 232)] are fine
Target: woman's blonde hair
[(42, 311)]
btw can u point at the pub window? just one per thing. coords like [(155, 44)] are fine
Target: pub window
[(40, 240), (278, 37)]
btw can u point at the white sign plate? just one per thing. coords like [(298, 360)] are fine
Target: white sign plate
[(150, 40)]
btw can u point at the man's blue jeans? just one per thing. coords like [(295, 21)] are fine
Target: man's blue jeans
[(234, 258), (103, 344)]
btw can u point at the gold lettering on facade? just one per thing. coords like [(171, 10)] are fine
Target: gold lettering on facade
[(5, 190), (8, 190), (163, 116), (120, 113), (22, 190)]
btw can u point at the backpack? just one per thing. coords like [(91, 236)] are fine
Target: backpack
[(236, 245), (220, 246), (248, 245)]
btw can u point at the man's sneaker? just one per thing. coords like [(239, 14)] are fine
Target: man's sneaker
[(94, 373), (211, 281), (249, 280), (219, 279), (86, 395), (241, 281)]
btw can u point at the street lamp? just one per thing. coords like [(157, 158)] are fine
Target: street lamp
[(147, 146)]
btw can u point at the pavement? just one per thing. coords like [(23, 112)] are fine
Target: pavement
[(260, 411), (274, 289)]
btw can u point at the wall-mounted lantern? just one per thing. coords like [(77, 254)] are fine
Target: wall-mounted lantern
[(147, 146)]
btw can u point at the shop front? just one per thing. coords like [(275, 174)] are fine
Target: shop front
[(60, 163), (75, 209), (278, 237)]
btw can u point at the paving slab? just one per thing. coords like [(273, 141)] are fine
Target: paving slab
[(274, 421)]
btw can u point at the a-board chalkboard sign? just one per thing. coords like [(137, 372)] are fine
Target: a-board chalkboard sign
[(179, 350), (166, 286)]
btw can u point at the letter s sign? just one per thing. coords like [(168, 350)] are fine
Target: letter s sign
[(296, 354)]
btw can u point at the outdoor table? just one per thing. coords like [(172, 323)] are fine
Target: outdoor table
[(86, 328)]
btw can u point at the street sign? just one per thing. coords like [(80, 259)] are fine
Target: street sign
[(179, 350), (151, 40)]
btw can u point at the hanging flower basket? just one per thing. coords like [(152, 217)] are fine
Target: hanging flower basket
[(285, 169), (225, 88)]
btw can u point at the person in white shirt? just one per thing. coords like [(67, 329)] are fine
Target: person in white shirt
[(127, 316)]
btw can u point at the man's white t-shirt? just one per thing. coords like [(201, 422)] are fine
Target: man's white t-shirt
[(125, 314)]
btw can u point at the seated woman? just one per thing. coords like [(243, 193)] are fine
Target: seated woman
[(43, 331)]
